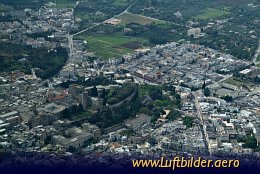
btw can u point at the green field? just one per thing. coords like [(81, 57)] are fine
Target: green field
[(111, 46), (64, 3), (134, 18), (240, 3), (234, 81), (120, 3), (211, 13)]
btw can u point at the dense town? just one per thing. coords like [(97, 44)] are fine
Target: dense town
[(217, 112)]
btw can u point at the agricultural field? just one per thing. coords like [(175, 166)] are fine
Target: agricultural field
[(192, 9), (240, 3), (128, 18), (120, 3), (64, 3), (112, 46), (211, 13)]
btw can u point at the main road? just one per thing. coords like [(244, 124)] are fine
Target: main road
[(202, 123)]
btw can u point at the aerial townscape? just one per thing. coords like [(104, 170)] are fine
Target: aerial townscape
[(124, 78)]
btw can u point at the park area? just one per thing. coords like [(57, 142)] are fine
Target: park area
[(107, 47)]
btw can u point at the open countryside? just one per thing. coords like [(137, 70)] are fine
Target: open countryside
[(128, 18), (112, 46), (211, 13)]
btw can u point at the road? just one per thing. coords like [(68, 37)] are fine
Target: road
[(202, 123), (257, 54), (73, 9)]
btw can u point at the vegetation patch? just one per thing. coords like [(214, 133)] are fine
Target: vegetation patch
[(241, 3), (258, 58), (148, 100), (82, 115), (48, 62), (93, 11), (4, 8), (234, 81), (111, 46), (128, 18), (211, 13), (132, 45), (188, 121), (120, 2), (240, 83), (117, 95), (65, 3)]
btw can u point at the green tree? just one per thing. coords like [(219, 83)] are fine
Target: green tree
[(188, 121), (227, 98), (250, 142), (156, 94), (174, 114)]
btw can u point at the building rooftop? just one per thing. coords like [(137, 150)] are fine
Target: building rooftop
[(9, 114)]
